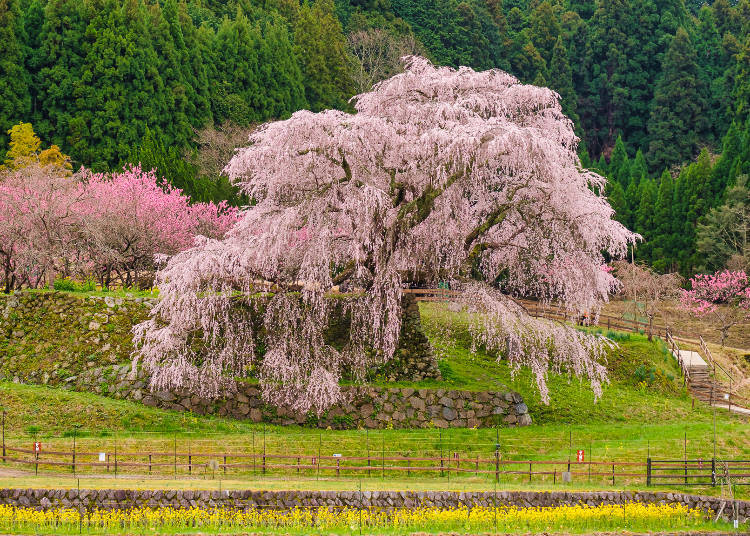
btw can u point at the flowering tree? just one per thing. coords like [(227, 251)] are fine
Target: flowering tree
[(129, 219), (441, 174), (51, 223), (646, 289), (723, 297), (39, 225)]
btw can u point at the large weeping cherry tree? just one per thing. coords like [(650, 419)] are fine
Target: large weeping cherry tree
[(441, 174)]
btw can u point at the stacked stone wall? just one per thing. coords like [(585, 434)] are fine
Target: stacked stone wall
[(365, 406), (283, 500)]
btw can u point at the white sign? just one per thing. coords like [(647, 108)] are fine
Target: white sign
[(337, 455), (102, 456)]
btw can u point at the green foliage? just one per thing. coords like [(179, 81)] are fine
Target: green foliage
[(320, 47), (70, 285), (15, 103), (110, 82), (678, 109)]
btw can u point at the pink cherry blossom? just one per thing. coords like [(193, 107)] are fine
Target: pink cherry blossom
[(440, 175)]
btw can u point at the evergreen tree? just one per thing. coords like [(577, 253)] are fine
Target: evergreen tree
[(33, 22), (643, 219), (619, 164), (677, 106), (721, 174), (561, 79), (608, 48), (741, 91), (616, 198), (59, 83), (178, 131), (711, 69), (15, 103), (663, 246), (190, 63), (122, 91), (544, 30), (638, 168), (320, 48)]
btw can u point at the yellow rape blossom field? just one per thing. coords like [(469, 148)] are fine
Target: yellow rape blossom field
[(571, 519)]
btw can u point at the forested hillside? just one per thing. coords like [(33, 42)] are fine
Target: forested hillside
[(659, 90)]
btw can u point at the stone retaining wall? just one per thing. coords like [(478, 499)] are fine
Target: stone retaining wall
[(79, 342), (367, 406), (121, 499)]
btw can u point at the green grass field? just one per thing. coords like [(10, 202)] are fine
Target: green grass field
[(644, 411)]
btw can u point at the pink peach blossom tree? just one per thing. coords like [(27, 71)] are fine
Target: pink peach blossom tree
[(441, 174), (723, 297), (87, 224), (129, 219)]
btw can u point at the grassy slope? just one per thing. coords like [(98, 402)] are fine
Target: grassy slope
[(631, 416)]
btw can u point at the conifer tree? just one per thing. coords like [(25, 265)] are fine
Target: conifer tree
[(320, 48), (15, 100), (561, 79), (662, 226), (544, 29), (177, 131), (721, 173), (644, 217), (638, 168), (59, 82), (619, 164), (741, 91), (616, 198), (608, 47), (677, 106), (122, 90), (711, 69)]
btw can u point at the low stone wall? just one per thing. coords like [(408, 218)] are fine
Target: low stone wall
[(46, 337), (282, 500), (366, 406)]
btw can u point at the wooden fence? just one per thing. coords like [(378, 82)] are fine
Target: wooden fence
[(541, 310), (238, 465)]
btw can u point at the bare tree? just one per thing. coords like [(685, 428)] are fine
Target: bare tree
[(724, 238), (378, 55), (216, 146), (646, 290)]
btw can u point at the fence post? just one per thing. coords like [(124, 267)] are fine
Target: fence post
[(613, 473), (497, 465), (149, 463), (713, 472), (225, 464), (529, 470), (648, 471), (440, 442)]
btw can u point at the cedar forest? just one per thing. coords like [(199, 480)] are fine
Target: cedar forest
[(659, 90)]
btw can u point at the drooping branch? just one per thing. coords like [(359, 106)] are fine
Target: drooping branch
[(440, 173)]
